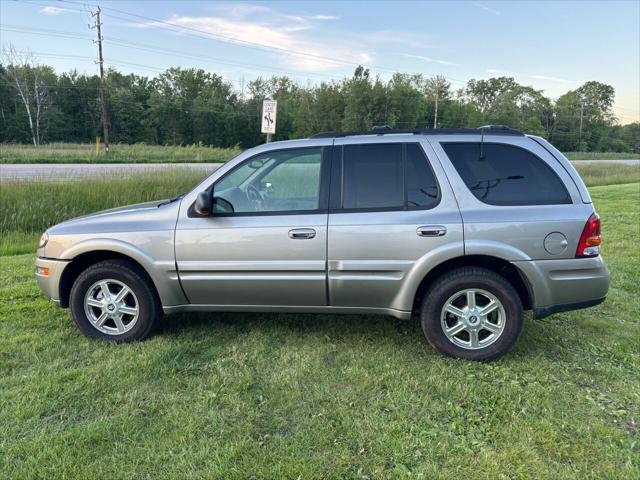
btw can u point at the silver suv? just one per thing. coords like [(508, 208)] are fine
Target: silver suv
[(466, 228)]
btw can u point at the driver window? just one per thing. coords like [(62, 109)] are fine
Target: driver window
[(285, 180)]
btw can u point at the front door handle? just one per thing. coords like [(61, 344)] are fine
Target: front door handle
[(302, 233), (431, 231)]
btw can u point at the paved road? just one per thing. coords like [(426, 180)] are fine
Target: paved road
[(71, 171)]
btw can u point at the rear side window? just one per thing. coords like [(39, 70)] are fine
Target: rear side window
[(387, 176), (506, 175)]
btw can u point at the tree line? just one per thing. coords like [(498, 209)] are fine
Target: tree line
[(193, 106)]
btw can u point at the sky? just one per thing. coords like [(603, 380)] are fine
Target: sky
[(552, 46)]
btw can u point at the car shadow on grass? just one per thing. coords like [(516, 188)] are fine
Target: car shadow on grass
[(232, 327), (314, 325)]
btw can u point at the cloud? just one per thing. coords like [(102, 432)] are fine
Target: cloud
[(551, 79), (263, 26), (323, 17), (50, 10), (486, 8), (430, 60)]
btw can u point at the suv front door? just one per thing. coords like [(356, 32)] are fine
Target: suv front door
[(388, 211), (265, 243)]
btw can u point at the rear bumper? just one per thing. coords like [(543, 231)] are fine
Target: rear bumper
[(543, 312), (567, 284), (50, 283)]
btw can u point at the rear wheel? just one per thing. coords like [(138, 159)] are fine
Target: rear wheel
[(114, 300), (472, 313)]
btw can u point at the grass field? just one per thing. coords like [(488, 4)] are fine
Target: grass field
[(138, 153), (321, 396), (601, 156)]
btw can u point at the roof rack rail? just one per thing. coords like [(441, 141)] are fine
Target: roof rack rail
[(385, 130)]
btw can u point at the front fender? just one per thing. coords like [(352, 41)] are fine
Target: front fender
[(162, 271)]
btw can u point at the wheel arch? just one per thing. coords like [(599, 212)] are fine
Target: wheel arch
[(84, 260), (502, 267)]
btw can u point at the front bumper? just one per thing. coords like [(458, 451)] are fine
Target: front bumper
[(567, 284), (48, 273)]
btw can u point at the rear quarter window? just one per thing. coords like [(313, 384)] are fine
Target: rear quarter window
[(506, 174)]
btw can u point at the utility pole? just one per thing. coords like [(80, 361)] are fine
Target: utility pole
[(435, 115), (580, 131), (105, 123)]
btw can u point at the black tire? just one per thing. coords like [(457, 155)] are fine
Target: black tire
[(148, 303), (461, 279)]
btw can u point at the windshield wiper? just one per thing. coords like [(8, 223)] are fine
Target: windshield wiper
[(171, 200)]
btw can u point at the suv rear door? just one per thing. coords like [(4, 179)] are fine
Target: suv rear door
[(389, 207)]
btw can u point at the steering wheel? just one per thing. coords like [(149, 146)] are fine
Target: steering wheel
[(255, 197)]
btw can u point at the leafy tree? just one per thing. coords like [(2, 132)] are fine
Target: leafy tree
[(187, 106)]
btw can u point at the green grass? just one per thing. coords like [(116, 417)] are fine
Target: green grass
[(601, 156), (321, 396), (28, 208), (119, 153), (608, 174)]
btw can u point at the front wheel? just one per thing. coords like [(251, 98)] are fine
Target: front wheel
[(115, 300), (472, 313)]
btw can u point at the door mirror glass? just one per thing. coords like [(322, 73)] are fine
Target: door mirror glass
[(203, 204)]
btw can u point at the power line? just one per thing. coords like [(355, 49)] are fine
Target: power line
[(156, 23), (144, 47)]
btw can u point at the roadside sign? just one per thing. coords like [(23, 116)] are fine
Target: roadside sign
[(269, 110)]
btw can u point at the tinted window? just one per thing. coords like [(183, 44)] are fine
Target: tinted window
[(376, 176), (422, 189), (373, 176), (507, 175), (280, 181)]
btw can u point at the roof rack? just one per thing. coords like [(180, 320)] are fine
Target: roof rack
[(385, 130)]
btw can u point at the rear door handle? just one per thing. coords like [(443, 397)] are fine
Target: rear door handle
[(302, 233), (431, 231)]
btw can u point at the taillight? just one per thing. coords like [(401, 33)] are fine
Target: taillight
[(589, 244)]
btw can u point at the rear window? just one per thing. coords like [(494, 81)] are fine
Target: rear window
[(506, 175), (387, 176)]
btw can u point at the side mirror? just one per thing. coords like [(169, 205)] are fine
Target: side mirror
[(204, 204)]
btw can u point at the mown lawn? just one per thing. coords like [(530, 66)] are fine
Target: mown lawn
[(320, 396)]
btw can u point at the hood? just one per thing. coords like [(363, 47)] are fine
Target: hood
[(155, 215)]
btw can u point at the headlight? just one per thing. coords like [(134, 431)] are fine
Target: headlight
[(44, 238)]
